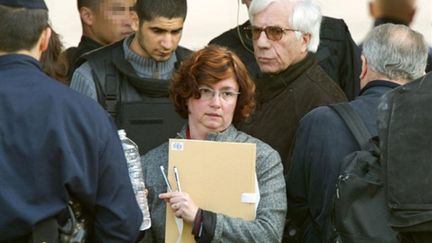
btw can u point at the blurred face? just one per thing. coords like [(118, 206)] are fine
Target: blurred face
[(214, 111), (274, 56), (158, 39), (113, 20)]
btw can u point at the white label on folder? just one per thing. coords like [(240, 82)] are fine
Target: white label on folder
[(177, 146), (249, 198)]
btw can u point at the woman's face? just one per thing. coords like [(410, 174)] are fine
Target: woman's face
[(214, 111)]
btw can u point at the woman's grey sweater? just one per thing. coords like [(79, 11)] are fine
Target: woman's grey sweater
[(270, 216)]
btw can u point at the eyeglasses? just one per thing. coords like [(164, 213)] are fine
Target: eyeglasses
[(208, 94), (273, 33)]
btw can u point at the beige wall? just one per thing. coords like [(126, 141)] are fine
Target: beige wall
[(208, 18)]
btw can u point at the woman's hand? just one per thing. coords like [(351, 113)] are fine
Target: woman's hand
[(181, 205)]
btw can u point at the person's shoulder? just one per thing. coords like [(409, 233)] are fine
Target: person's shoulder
[(263, 149), (182, 52), (321, 81), (319, 123), (70, 54), (158, 154), (98, 59), (317, 74), (225, 38), (84, 69), (314, 78), (333, 29), (70, 98), (102, 53), (321, 116), (83, 80)]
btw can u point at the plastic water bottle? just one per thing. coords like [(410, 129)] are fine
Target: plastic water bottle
[(136, 176)]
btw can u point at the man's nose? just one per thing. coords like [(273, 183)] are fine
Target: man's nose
[(262, 40), (168, 41)]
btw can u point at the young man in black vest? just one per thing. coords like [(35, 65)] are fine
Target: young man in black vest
[(130, 78)]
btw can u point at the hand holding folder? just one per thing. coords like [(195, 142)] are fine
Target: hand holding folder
[(219, 176)]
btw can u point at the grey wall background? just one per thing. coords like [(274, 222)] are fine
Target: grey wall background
[(208, 18)]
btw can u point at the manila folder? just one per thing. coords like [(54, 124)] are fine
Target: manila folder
[(219, 177)]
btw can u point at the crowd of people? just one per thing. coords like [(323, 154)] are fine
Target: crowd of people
[(268, 82)]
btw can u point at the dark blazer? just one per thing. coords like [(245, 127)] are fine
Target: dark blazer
[(322, 141)]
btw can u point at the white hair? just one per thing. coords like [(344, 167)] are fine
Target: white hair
[(305, 18), (396, 51)]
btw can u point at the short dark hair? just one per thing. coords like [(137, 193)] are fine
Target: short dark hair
[(211, 65), (148, 10), (91, 4), (21, 28)]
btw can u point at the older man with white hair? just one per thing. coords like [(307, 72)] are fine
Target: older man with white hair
[(285, 36)]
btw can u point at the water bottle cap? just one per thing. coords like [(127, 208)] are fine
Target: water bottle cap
[(121, 133)]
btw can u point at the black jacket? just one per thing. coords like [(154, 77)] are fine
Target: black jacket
[(85, 45)]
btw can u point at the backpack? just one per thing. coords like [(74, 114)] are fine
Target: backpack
[(360, 214), (405, 129)]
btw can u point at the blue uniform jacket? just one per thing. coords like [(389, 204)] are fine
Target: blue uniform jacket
[(322, 141), (54, 141)]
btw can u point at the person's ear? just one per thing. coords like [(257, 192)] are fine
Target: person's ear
[(372, 9), (305, 39), (44, 40), (364, 71), (135, 21), (411, 15), (86, 15)]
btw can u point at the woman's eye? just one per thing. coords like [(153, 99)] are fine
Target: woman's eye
[(228, 94), (205, 91)]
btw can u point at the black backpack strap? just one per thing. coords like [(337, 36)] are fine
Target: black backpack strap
[(106, 77), (353, 121), (107, 85), (112, 92)]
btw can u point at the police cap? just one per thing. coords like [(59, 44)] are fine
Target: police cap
[(30, 4)]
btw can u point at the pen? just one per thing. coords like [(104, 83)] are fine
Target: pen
[(177, 178), (165, 178)]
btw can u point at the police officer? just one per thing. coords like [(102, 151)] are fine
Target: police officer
[(54, 143)]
